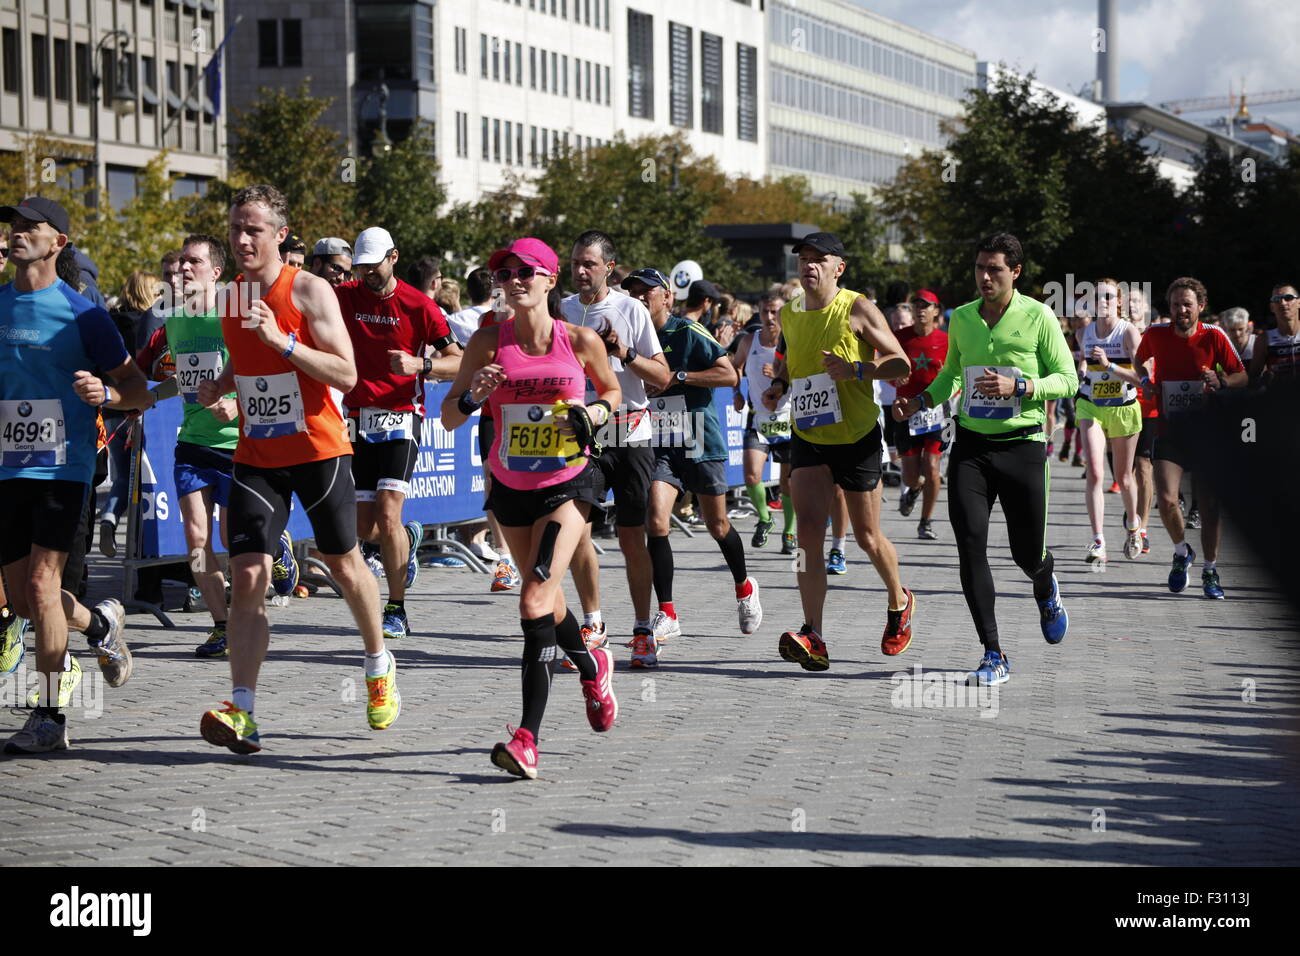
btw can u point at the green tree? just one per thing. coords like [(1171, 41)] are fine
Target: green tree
[(282, 141), (401, 192), (862, 230), (50, 167)]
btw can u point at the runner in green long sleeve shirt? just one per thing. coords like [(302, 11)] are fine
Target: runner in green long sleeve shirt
[(1007, 354)]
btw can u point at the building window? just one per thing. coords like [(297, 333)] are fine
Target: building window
[(545, 143), (564, 62), (279, 43), (509, 142), (460, 136), (606, 16), (746, 93), (608, 93), (587, 7), (681, 69), (496, 59), (710, 83), (81, 54), (40, 65), (577, 78), (423, 52), (291, 42), (532, 67), (546, 86), (496, 140), (268, 43), (13, 73), (519, 64), (149, 84), (555, 73), (507, 59), (519, 143), (483, 55), (641, 65), (458, 50), (600, 96), (121, 183), (487, 153), (62, 70)]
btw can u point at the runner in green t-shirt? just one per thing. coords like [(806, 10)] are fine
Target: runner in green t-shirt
[(1007, 355), (690, 453), (205, 447)]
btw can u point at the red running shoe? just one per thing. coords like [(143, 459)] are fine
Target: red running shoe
[(806, 648), (519, 756), (602, 706), (1113, 489), (898, 629)]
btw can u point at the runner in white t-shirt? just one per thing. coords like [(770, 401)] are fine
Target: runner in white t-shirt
[(628, 460)]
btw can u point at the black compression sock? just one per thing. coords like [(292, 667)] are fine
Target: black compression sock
[(734, 551), (219, 625), (569, 636), (539, 655), (1043, 579), (661, 560), (399, 604), (98, 628)]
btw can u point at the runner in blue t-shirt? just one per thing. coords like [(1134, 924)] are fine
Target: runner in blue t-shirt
[(690, 455), (50, 337)]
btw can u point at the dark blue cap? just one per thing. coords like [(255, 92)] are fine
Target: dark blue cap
[(651, 277)]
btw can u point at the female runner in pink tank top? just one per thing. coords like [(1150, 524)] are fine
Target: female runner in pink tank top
[(523, 368)]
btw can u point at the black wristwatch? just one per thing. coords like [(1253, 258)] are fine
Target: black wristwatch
[(428, 367), (631, 356), (681, 377)]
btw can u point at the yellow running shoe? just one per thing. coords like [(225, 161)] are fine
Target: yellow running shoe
[(232, 728), (67, 684), (12, 649), (385, 702)]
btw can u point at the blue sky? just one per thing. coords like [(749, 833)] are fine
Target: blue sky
[(1169, 49)]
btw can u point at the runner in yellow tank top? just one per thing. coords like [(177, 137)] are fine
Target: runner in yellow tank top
[(827, 359)]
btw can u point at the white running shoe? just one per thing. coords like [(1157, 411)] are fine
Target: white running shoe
[(1133, 545), (1095, 557), (665, 627), (751, 612), (41, 734)]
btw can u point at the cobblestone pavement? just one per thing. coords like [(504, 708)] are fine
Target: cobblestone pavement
[(1162, 731)]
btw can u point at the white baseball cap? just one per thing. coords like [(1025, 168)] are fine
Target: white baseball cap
[(683, 274), (371, 246)]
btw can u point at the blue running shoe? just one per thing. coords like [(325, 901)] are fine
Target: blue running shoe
[(1210, 582), (1055, 622), (396, 625), (414, 531), (1178, 576), (446, 561), (215, 646), (370, 554), (284, 569), (835, 563), (993, 669)]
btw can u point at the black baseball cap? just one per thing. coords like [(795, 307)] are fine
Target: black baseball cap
[(293, 243), (651, 277), (703, 289), (38, 209), (825, 242)]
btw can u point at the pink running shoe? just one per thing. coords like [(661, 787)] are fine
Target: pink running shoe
[(602, 707), (519, 756)]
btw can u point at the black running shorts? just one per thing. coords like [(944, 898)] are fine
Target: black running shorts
[(259, 505), (627, 471), (383, 466), (854, 467), (514, 508), (40, 512)]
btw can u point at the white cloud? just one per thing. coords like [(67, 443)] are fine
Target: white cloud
[(1169, 49)]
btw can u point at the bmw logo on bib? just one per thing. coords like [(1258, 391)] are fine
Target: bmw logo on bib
[(1186, 386), (535, 413), (807, 385), (261, 384), (194, 360), (24, 409), (661, 404)]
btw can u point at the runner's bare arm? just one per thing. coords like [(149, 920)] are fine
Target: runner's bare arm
[(869, 325), (774, 392), (1134, 375), (738, 359), (480, 356), (129, 391), (331, 362), (720, 374)]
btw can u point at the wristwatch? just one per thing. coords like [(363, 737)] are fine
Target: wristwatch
[(428, 366), (631, 356), (681, 377)]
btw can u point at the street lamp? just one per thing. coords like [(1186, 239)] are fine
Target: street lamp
[(381, 144), (122, 99)]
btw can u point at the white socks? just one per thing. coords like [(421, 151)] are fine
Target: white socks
[(377, 664), (837, 544), (243, 697)]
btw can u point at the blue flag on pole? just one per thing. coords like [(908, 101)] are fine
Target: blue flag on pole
[(212, 72)]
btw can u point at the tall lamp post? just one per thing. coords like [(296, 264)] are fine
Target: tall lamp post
[(381, 144), (123, 96)]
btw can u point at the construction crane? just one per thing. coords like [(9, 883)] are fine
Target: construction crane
[(1221, 103)]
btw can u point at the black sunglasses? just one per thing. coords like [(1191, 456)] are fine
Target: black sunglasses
[(523, 272), (1285, 297)]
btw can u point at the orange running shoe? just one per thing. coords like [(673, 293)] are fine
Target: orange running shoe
[(506, 577), (806, 648), (593, 637), (898, 628)]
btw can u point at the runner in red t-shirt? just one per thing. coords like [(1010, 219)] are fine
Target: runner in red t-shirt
[(1191, 361), (393, 325), (919, 439)]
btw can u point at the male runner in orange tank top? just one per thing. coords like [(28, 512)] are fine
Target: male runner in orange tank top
[(288, 347)]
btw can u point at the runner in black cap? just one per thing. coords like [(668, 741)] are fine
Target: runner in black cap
[(830, 351)]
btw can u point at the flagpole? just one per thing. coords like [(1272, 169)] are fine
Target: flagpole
[(200, 77)]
